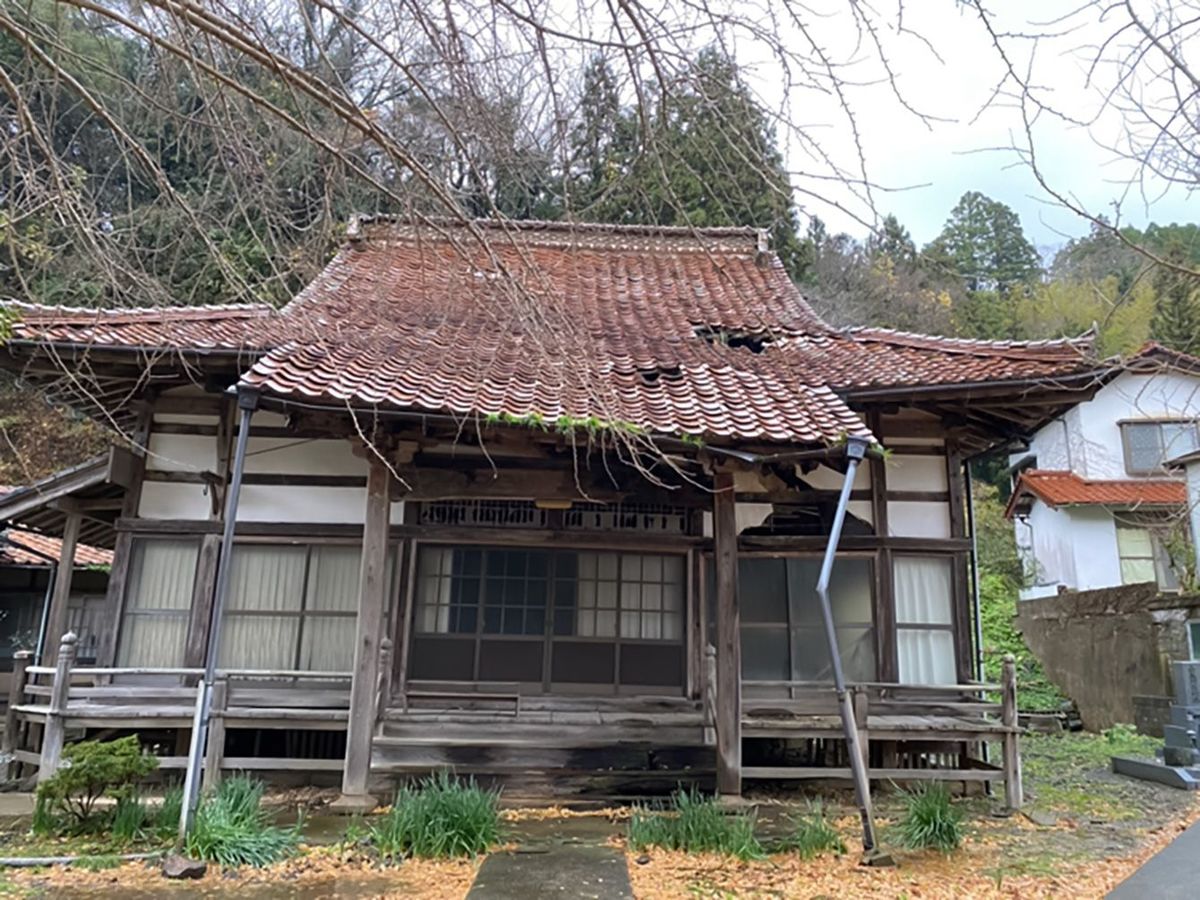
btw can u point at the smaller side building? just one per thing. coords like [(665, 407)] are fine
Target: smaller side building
[(1095, 502), (28, 562)]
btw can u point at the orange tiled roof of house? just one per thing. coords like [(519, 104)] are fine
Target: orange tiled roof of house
[(27, 548), (1064, 488)]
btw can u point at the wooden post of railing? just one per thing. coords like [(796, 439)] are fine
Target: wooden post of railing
[(710, 695), (383, 693), (214, 752), (1013, 793), (860, 701), (16, 696), (52, 738)]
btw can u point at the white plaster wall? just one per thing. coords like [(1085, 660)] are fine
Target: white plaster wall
[(303, 457), (1044, 542), (918, 518), (182, 453), (917, 473), (1087, 440), (1094, 539), (161, 500)]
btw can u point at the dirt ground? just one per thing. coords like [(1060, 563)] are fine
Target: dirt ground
[(1083, 831)]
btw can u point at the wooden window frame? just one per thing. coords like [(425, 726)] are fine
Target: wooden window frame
[(548, 638), (122, 619), (954, 626)]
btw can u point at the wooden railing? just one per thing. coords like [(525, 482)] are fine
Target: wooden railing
[(53, 697), (891, 712)]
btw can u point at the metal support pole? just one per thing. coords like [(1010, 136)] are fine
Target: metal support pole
[(856, 449), (247, 402)]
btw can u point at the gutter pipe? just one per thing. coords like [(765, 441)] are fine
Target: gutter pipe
[(247, 402), (856, 449)]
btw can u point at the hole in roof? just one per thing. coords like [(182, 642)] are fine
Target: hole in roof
[(656, 373), (754, 341)]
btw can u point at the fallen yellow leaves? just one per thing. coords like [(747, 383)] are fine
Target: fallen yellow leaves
[(977, 870), (321, 871)]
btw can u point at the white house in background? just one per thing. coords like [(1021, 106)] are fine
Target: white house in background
[(1094, 503)]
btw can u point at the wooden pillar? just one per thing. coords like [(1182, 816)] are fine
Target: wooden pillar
[(1014, 795), (214, 752), (16, 696), (56, 618), (887, 666), (372, 598), (961, 581), (728, 638), (52, 738), (195, 648)]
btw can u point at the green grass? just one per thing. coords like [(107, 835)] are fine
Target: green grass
[(812, 835), (128, 819), (440, 817), (233, 829), (930, 820), (97, 863), (1068, 772), (695, 824)]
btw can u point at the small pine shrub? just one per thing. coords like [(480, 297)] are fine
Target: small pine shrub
[(441, 817), (232, 829), (812, 835), (66, 801), (695, 824), (930, 820)]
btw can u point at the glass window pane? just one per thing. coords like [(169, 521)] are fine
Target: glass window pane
[(852, 591), (333, 573), (1134, 542), (925, 656), (162, 574), (857, 648), (155, 641), (259, 642), (1137, 571), (327, 644), (762, 590), (802, 575), (267, 577), (765, 654), (1178, 438), (1144, 443), (924, 594)]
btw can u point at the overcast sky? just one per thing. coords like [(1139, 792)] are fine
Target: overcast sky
[(940, 162)]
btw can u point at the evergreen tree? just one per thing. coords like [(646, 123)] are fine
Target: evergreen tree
[(983, 243), (705, 156), (1176, 322)]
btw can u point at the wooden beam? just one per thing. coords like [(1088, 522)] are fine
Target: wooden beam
[(885, 600), (114, 600), (372, 599), (203, 590), (56, 617), (729, 646)]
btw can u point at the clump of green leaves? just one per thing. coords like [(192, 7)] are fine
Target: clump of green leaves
[(812, 834), (694, 823), (440, 817), (232, 828), (930, 821), (66, 801)]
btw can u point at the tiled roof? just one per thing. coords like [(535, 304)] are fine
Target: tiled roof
[(1063, 488), (879, 358), (673, 330), (195, 328), (26, 548)]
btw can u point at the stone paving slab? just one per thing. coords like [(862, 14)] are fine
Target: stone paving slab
[(1171, 874), (570, 872)]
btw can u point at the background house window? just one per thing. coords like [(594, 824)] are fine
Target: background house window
[(158, 602), (291, 607), (1144, 557), (925, 620), (1194, 638), (542, 617), (1148, 445)]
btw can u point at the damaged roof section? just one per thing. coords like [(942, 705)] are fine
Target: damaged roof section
[(668, 330)]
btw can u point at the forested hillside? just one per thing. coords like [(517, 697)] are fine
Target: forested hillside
[(134, 174)]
